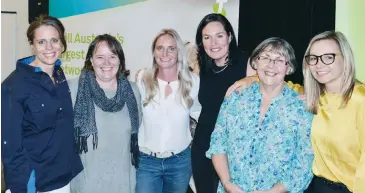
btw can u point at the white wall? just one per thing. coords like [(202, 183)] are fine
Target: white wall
[(21, 7), (8, 43)]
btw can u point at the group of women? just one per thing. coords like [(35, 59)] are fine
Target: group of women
[(84, 135)]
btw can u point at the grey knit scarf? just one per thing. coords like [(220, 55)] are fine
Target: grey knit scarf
[(90, 93)]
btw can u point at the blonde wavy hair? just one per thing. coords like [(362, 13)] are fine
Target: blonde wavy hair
[(314, 89), (185, 78)]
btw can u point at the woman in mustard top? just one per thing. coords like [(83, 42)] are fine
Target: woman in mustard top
[(338, 128)]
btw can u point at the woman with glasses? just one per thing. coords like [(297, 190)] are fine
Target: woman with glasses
[(338, 100), (261, 141)]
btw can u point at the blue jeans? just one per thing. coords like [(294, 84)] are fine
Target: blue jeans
[(164, 175)]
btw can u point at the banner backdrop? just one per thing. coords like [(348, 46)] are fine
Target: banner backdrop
[(134, 23)]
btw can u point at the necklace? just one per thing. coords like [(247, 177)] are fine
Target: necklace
[(221, 70)]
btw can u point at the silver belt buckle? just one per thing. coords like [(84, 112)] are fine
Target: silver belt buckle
[(157, 155), (163, 155)]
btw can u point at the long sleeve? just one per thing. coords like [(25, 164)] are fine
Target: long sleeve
[(14, 156), (73, 86), (132, 174), (219, 137), (297, 175), (359, 182), (138, 99)]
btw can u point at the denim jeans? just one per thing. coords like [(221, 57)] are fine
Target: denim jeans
[(164, 175)]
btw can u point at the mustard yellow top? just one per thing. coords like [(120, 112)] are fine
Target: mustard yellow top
[(338, 140)]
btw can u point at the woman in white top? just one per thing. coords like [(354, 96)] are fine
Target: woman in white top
[(169, 94)]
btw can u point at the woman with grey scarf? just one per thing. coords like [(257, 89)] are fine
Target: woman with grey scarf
[(106, 117)]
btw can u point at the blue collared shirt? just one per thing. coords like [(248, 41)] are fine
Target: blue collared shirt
[(263, 153), (37, 129)]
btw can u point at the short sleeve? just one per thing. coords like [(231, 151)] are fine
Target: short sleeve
[(219, 137)]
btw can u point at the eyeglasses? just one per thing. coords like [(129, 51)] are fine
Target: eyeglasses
[(267, 60), (326, 59)]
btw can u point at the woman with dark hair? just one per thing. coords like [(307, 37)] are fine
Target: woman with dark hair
[(221, 64), (38, 150), (106, 120)]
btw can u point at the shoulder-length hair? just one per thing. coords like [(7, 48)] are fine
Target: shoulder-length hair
[(114, 47), (314, 89), (277, 45), (185, 80), (205, 62)]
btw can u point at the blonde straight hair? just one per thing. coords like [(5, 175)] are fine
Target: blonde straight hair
[(185, 78), (313, 89)]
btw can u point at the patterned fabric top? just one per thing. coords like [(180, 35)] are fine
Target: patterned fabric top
[(263, 153)]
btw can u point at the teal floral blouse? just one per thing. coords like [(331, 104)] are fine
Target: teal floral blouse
[(277, 150)]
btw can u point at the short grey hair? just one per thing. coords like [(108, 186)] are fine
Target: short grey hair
[(277, 45)]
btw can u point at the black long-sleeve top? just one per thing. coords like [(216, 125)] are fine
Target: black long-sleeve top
[(213, 87)]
